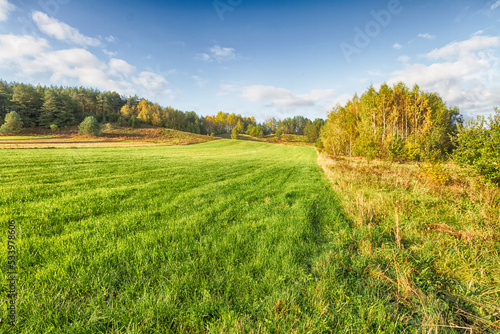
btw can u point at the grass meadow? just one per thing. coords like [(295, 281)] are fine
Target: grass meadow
[(220, 237), (227, 236), (428, 233)]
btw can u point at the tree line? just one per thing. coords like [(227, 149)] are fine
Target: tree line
[(392, 122), (395, 122), (68, 106)]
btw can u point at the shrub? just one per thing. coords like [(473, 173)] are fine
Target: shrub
[(478, 146), (319, 143), (54, 127), (132, 122), (396, 148), (279, 134), (434, 172), (12, 124), (234, 134), (90, 127), (120, 121)]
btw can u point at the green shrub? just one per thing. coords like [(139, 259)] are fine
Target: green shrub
[(478, 146), (120, 121), (132, 122), (90, 127), (12, 124), (54, 127), (235, 134), (396, 147), (319, 143)]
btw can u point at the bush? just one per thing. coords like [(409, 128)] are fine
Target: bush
[(132, 122), (478, 146), (54, 127), (434, 172), (319, 143), (235, 134), (90, 127), (12, 124), (120, 121)]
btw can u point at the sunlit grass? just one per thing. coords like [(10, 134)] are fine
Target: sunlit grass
[(431, 239), (24, 137), (235, 237), (210, 237)]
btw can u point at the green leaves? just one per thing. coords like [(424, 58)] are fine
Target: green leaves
[(478, 146), (90, 127), (12, 124)]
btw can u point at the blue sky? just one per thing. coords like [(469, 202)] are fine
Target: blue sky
[(256, 58)]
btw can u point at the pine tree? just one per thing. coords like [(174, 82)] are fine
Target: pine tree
[(12, 124)]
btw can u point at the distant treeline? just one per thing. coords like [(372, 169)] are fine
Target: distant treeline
[(392, 122), (67, 106)]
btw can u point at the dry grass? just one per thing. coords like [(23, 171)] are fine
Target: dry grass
[(429, 233), (112, 137)]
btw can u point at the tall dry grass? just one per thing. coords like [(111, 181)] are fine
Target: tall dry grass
[(429, 234)]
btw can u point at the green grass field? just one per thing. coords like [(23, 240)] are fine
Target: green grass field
[(210, 237), (220, 237)]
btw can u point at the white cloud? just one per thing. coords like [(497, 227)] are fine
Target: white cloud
[(495, 5), (15, 47), (218, 54), (61, 31), (119, 67), (463, 48), (284, 99), (5, 9), (397, 46), (33, 59), (110, 39), (110, 54), (426, 36), (464, 73)]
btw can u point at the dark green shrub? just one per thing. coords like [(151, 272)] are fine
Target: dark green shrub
[(132, 122), (478, 146), (12, 124), (90, 127)]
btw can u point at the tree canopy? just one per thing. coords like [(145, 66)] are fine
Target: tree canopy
[(392, 122)]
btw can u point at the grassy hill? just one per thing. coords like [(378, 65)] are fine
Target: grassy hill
[(112, 136)]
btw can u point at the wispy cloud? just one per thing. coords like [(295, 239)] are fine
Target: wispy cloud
[(285, 100), (426, 36), (495, 5), (397, 46), (5, 8), (218, 53), (110, 39), (109, 53), (61, 31), (200, 82)]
